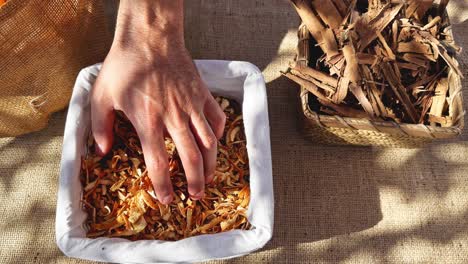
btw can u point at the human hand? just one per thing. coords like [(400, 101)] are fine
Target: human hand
[(150, 76)]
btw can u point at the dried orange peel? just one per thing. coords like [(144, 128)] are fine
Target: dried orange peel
[(119, 200)]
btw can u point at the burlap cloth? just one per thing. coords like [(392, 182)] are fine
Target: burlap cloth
[(43, 45), (333, 204)]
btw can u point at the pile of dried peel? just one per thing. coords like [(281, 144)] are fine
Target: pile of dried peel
[(384, 60), (120, 202)]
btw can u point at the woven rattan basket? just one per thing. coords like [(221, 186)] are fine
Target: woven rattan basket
[(336, 130)]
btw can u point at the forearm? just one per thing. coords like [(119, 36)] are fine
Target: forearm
[(155, 24)]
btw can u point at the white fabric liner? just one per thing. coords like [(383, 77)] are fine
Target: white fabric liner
[(241, 81)]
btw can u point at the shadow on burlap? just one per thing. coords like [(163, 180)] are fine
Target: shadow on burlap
[(333, 204)]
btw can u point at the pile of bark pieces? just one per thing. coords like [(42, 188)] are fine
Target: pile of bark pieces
[(382, 59)]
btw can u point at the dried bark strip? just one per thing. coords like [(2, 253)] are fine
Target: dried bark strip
[(367, 30), (390, 61), (440, 98), (399, 90)]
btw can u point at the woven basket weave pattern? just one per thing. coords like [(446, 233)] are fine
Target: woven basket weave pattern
[(337, 130)]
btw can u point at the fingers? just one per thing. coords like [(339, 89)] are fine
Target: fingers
[(192, 159), (102, 122), (207, 143), (215, 116), (156, 159)]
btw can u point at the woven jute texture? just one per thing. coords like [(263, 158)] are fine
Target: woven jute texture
[(333, 204), (43, 45)]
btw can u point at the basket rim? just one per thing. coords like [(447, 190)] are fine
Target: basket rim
[(391, 127)]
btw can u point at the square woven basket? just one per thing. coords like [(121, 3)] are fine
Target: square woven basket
[(336, 130)]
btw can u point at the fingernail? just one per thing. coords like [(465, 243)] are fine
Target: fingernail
[(166, 199), (210, 178), (198, 196), (99, 150)]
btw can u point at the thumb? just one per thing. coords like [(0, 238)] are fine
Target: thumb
[(102, 122)]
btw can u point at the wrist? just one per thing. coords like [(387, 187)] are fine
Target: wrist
[(155, 25)]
